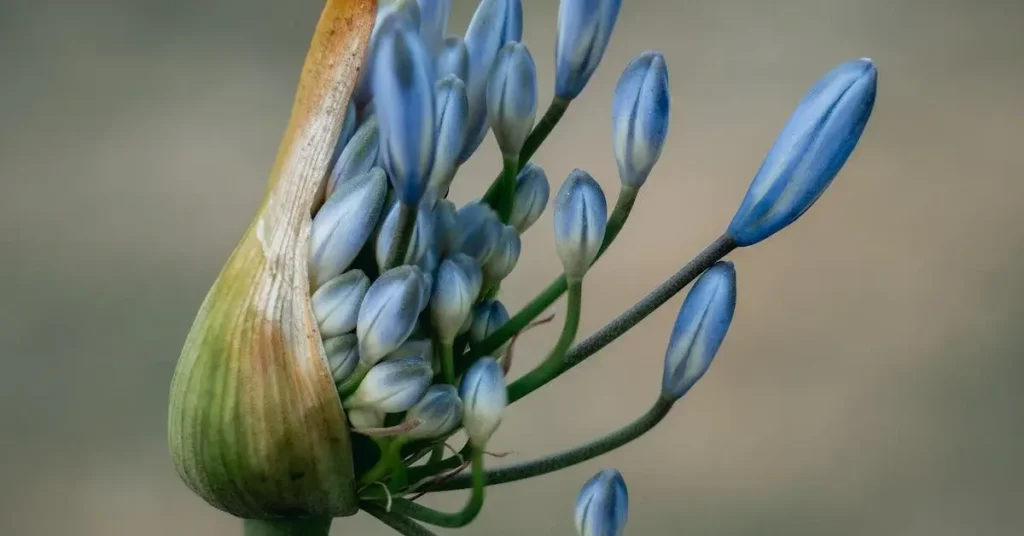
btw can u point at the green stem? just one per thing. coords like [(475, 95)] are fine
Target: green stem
[(502, 191), (570, 457), (553, 364), (400, 523), (623, 206), (447, 363), (544, 127), (351, 383), (477, 480), (287, 527), (390, 457), (405, 228)]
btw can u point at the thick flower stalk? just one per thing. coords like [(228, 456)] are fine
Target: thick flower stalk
[(358, 330)]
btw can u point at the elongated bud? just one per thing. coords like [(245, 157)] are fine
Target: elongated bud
[(471, 268), (809, 152), (602, 505), (342, 356), (392, 386), (584, 29), (389, 312), (484, 398), (487, 317), (640, 114), (336, 304), (438, 413), (403, 92), (494, 23), (479, 230), (453, 59), (405, 13), (434, 15), (343, 224), (360, 154), (452, 117), (505, 256), (532, 192), (581, 214), (422, 235), (452, 301), (512, 98), (700, 329), (363, 418), (446, 230)]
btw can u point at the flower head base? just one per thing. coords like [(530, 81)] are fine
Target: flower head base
[(602, 505), (581, 214), (640, 111)]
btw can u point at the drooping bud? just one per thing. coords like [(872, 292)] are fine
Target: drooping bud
[(602, 505), (336, 303), (452, 114), (584, 29), (452, 301), (484, 398), (809, 152), (403, 90), (532, 192), (494, 23), (342, 225), (487, 317), (453, 59), (479, 230), (392, 386), (422, 235), (581, 214), (434, 15), (389, 312), (640, 115), (505, 256), (361, 153), (699, 329), (342, 356), (512, 98), (438, 413)]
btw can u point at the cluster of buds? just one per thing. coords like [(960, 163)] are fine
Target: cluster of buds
[(357, 329)]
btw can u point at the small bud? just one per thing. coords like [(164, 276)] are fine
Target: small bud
[(336, 303), (363, 418), (602, 505), (392, 386), (389, 312), (348, 127), (403, 90), (640, 114), (699, 330), (438, 413), (472, 270), (414, 348), (484, 398), (479, 230), (584, 29), (422, 235), (453, 59), (512, 98), (452, 301), (361, 153), (581, 214), (342, 225), (532, 192), (452, 114), (434, 15), (494, 23), (809, 152), (342, 356), (505, 256), (488, 316), (446, 230)]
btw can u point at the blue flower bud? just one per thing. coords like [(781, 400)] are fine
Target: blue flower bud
[(348, 127), (505, 256), (446, 229), (392, 386), (403, 90), (584, 29), (452, 114), (602, 505), (414, 348), (336, 304), (483, 400), (405, 13), (342, 356), (428, 264), (700, 329), (471, 268), (453, 59), (452, 301), (494, 23), (809, 152), (479, 230), (532, 192), (389, 312), (434, 15), (422, 235), (640, 109), (487, 317), (581, 214), (512, 98), (438, 413), (361, 153), (343, 224), (363, 418)]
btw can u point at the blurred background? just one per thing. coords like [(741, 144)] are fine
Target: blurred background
[(871, 382)]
